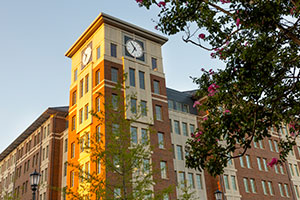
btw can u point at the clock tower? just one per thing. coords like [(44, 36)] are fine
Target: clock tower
[(106, 50)]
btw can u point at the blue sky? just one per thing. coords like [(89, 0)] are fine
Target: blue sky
[(34, 37)]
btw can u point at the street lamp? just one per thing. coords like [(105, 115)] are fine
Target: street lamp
[(34, 182), (218, 194)]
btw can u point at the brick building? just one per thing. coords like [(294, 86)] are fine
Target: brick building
[(108, 48), (37, 148)]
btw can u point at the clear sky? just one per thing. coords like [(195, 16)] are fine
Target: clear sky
[(35, 74)]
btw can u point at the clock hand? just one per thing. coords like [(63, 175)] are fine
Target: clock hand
[(133, 46)]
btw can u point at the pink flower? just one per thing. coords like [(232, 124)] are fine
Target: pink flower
[(196, 103), (198, 134), (205, 118), (292, 10), (227, 111), (292, 134), (139, 1), (212, 89), (238, 22), (202, 69), (273, 162), (156, 27), (193, 135), (161, 3), (201, 35), (225, 1), (213, 55)]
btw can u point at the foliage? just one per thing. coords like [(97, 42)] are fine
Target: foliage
[(123, 164), (259, 87)]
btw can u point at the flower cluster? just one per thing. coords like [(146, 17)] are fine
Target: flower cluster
[(161, 3), (225, 1), (201, 35), (273, 162), (139, 1), (197, 136), (212, 89), (196, 103)]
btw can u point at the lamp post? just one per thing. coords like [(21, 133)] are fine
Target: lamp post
[(218, 194), (34, 182)]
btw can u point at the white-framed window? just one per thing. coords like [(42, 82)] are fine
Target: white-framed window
[(296, 169), (191, 180), (276, 146), (158, 112), (132, 77), (134, 136), (271, 145), (176, 127), (163, 169), (286, 189), (161, 142), (248, 161), (242, 162), (181, 181), (156, 89), (144, 108), (233, 183), (297, 191), (265, 164), (263, 183), (280, 189), (291, 169), (281, 169), (270, 186), (252, 184), (117, 193), (226, 182), (179, 152), (245, 180), (199, 181)]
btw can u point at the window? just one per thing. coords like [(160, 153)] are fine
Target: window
[(81, 88), (97, 77), (114, 74), (144, 108), (255, 144), (80, 116), (47, 151), (73, 150), (154, 63), (133, 132), (146, 166), (281, 169), (86, 114), (226, 182), (233, 183), (199, 181), (242, 162), (156, 87), (166, 197), (286, 189), (117, 193), (116, 162), (291, 169), (296, 169), (74, 96), (161, 142), (98, 104), (260, 144), (114, 101), (280, 189), (113, 50), (192, 128), (72, 179), (276, 146), (171, 104), (259, 164), (163, 169), (276, 169), (181, 179), (75, 75), (179, 152), (245, 180), (265, 164), (191, 180), (271, 145), (98, 131), (98, 52), (86, 83), (270, 188), (144, 136), (142, 79), (185, 108), (73, 123), (184, 129), (252, 184), (133, 105), (158, 112), (176, 127), (263, 183), (296, 191), (65, 168), (132, 77), (248, 161)]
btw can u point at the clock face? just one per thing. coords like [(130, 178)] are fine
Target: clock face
[(134, 48), (86, 55)]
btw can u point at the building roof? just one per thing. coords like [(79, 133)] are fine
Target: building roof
[(182, 97), (60, 111), (107, 19)]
